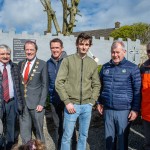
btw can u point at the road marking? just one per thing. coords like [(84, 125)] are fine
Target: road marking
[(141, 135)]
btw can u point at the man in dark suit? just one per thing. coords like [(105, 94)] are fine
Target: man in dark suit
[(10, 96), (34, 87)]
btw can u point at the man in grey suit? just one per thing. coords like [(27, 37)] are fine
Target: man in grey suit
[(34, 88)]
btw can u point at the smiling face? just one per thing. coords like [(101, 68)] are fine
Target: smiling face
[(118, 54), (30, 51), (83, 47), (4, 55), (56, 50)]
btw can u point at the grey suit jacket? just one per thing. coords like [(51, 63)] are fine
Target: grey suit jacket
[(35, 90)]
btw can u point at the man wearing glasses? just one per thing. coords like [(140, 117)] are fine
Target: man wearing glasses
[(145, 107)]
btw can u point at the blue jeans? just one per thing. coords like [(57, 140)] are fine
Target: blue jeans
[(116, 129), (84, 114), (58, 115)]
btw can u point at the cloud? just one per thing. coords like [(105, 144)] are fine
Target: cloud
[(105, 13), (23, 15), (96, 14)]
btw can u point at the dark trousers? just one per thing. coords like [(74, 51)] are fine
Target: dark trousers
[(146, 125), (58, 117), (9, 122)]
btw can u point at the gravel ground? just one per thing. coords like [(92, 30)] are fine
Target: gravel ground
[(96, 134)]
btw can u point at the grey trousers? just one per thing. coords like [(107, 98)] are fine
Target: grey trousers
[(116, 129), (31, 117)]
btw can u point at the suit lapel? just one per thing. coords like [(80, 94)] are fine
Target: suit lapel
[(22, 68)]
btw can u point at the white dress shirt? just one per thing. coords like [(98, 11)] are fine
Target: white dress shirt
[(31, 65), (10, 81)]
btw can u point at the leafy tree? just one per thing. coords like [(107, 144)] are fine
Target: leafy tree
[(139, 31), (70, 10)]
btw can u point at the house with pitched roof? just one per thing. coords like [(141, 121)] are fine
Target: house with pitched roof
[(100, 32)]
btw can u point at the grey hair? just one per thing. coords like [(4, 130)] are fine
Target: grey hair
[(5, 47), (115, 45)]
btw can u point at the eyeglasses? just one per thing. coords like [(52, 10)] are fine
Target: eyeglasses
[(148, 51)]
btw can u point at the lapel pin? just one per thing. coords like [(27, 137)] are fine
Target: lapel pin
[(32, 74)]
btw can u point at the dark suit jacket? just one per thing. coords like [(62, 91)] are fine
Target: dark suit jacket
[(17, 92), (35, 90)]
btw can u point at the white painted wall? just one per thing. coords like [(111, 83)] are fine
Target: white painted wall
[(100, 47)]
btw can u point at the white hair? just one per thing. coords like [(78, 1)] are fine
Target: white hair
[(5, 47), (115, 45)]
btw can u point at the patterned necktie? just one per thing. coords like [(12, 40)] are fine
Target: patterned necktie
[(5, 85), (27, 72)]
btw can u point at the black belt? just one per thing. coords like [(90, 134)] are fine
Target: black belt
[(11, 99)]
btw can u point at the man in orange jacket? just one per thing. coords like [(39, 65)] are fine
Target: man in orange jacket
[(145, 71)]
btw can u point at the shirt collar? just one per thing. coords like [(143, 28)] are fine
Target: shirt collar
[(32, 62), (82, 57), (2, 64)]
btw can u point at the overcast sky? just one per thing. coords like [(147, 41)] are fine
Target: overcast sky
[(28, 15)]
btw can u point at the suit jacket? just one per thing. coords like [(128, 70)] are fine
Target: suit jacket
[(17, 92), (35, 90)]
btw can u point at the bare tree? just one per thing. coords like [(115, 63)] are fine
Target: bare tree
[(69, 13), (51, 16)]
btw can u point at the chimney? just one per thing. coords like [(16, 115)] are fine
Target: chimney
[(117, 25)]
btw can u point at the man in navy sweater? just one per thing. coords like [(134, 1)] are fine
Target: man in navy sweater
[(57, 106), (119, 99)]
